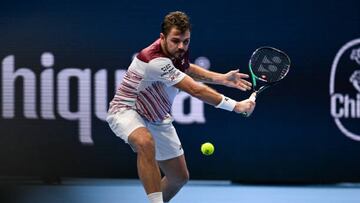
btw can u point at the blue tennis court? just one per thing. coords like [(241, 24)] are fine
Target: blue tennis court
[(127, 191)]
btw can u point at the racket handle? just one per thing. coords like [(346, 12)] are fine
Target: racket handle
[(253, 97)]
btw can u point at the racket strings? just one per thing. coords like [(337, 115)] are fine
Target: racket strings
[(284, 73), (269, 65)]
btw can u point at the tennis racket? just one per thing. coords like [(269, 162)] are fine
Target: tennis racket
[(267, 67)]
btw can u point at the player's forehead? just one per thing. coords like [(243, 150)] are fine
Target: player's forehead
[(177, 34)]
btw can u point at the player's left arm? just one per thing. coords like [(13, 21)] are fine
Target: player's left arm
[(232, 78)]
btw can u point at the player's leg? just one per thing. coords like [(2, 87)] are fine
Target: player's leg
[(148, 170), (170, 156), (130, 126), (176, 176)]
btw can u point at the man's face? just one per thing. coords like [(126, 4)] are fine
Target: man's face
[(175, 43)]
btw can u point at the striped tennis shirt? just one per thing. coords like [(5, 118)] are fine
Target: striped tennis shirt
[(147, 86)]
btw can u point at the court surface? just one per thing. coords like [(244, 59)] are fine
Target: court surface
[(128, 191)]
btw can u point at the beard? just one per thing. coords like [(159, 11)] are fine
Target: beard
[(177, 54)]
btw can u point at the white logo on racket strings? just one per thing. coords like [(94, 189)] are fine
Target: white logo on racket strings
[(345, 106), (270, 64)]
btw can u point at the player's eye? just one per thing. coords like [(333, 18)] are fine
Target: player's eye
[(175, 41)]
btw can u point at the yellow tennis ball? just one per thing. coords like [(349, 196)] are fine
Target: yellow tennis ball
[(207, 148)]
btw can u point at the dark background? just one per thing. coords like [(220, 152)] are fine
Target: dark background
[(291, 137)]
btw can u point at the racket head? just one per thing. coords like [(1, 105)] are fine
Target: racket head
[(269, 65)]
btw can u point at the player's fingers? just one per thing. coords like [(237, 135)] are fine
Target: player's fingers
[(253, 94), (246, 82), (240, 84), (251, 103), (251, 108), (245, 85), (241, 87), (242, 75), (245, 107)]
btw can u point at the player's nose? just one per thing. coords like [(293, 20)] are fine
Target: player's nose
[(181, 45)]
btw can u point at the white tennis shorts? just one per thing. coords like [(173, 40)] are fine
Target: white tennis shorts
[(167, 142)]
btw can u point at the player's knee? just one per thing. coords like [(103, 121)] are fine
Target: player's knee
[(182, 178), (185, 177), (145, 144)]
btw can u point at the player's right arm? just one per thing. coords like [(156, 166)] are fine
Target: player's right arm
[(210, 96), (162, 69)]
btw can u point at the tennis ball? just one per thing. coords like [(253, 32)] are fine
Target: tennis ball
[(207, 148)]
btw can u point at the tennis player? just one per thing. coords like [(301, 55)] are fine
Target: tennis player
[(140, 110)]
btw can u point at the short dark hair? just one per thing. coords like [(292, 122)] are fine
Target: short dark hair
[(176, 19)]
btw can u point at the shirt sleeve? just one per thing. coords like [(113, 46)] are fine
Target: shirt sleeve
[(163, 70)]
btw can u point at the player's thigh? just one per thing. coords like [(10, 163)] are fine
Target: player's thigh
[(128, 123), (168, 145), (175, 169)]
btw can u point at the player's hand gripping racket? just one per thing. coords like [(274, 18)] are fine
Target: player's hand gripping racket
[(268, 66)]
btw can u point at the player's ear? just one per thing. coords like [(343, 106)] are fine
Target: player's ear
[(162, 36)]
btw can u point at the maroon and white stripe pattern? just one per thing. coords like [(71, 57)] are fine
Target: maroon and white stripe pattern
[(126, 94), (153, 103)]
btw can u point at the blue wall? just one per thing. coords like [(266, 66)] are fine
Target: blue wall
[(291, 137)]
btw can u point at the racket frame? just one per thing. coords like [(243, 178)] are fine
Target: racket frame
[(254, 78)]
